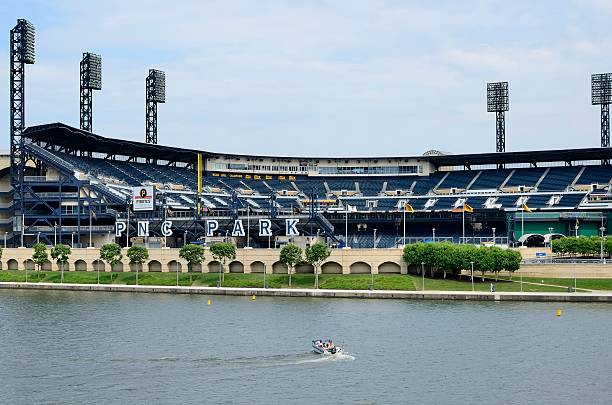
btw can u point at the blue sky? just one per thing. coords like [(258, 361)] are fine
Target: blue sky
[(333, 78)]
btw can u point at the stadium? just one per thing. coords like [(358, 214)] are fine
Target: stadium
[(63, 184)]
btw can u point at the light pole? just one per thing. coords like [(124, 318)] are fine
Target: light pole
[(404, 230), (433, 234), (374, 242), (54, 234), (423, 276), (601, 242), (5, 233), (493, 229), (72, 240), (177, 272), (550, 231), (472, 276), (38, 237), (184, 238)]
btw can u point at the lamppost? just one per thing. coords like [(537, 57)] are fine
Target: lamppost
[(423, 276), (54, 234), (433, 234), (72, 240), (5, 234), (374, 242), (493, 229), (184, 238), (550, 231), (38, 237), (472, 275), (601, 242)]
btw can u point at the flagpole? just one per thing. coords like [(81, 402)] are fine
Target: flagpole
[(522, 224), (90, 245), (346, 227)]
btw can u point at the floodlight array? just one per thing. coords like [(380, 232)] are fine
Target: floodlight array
[(601, 88), (28, 42), (497, 97), (93, 74), (158, 88)]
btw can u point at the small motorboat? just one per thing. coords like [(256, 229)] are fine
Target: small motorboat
[(325, 347)]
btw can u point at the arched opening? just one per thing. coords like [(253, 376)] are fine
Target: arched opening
[(532, 240), (236, 267), (331, 268), (304, 268), (360, 268), (196, 268), (257, 267), (154, 266), (98, 265), (12, 264), (389, 268), (28, 264), (214, 267), (117, 267), (279, 268), (140, 267), (80, 265), (47, 266), (173, 265)]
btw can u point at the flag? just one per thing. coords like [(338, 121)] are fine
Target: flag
[(351, 208), (93, 213), (408, 207), (526, 207), (467, 208)]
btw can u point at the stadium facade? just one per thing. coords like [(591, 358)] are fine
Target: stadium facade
[(61, 184)]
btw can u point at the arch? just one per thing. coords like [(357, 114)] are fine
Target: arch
[(257, 267), (173, 264), (47, 266), (98, 265), (197, 268), (117, 267), (236, 267), (279, 268), (214, 266), (304, 268), (389, 268), (12, 264), (28, 264), (360, 268), (80, 265), (154, 266), (134, 266), (532, 240), (331, 268)]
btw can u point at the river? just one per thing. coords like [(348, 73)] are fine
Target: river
[(88, 347)]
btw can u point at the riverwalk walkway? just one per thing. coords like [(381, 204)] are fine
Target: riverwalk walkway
[(325, 293)]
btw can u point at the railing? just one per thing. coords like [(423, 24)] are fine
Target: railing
[(95, 228)]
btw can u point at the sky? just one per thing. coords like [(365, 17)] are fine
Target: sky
[(322, 78)]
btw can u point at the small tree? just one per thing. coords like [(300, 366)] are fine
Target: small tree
[(316, 254), (40, 255), (194, 254), (61, 253), (137, 255), (111, 254), (223, 252), (291, 256)]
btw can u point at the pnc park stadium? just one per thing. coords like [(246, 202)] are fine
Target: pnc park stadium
[(63, 184)]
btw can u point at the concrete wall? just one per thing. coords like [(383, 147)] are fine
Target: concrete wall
[(341, 261)]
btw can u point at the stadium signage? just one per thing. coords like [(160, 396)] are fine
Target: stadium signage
[(143, 198), (212, 225)]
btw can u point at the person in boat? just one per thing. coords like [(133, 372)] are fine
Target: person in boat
[(330, 345)]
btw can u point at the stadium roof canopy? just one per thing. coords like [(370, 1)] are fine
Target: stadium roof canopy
[(73, 139)]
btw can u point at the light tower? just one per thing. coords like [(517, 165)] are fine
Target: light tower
[(497, 102), (22, 53), (155, 87), (91, 79), (601, 94)]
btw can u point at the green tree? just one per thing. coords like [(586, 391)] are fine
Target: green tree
[(40, 255), (137, 255), (223, 252), (511, 260), (61, 254), (111, 254), (291, 256), (316, 254), (193, 254)]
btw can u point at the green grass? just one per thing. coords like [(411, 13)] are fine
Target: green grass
[(326, 281)]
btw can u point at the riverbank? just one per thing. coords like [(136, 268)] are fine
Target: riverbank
[(322, 293)]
